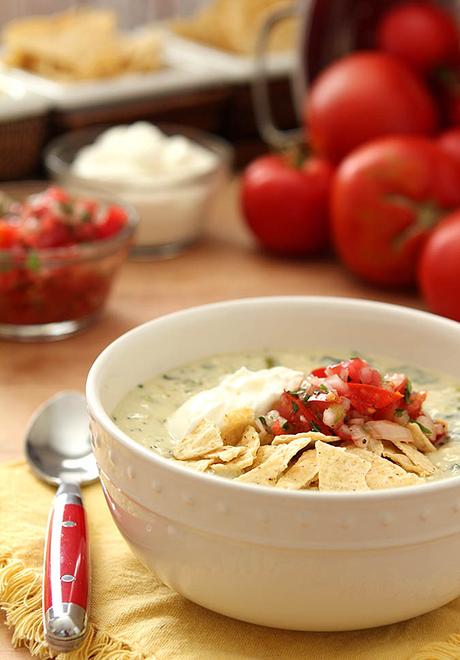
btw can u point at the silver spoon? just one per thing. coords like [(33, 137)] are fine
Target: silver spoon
[(58, 450)]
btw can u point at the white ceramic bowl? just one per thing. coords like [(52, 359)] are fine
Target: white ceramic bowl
[(297, 560)]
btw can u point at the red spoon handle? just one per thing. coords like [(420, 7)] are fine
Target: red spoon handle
[(66, 571)]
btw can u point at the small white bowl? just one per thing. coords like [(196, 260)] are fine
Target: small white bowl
[(171, 215), (295, 560)]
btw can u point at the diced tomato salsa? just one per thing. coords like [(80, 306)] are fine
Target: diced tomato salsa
[(342, 399), (46, 273)]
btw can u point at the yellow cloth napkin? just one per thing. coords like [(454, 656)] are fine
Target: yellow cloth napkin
[(133, 615)]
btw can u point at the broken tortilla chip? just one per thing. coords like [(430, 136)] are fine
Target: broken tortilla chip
[(301, 474), (313, 435), (340, 469), (200, 441), (268, 472), (426, 467), (234, 424), (224, 454), (420, 439), (384, 473)]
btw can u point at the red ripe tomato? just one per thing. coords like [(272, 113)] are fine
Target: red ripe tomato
[(366, 399), (286, 207), (386, 198), (8, 236), (112, 223), (449, 142), (439, 269), (364, 96), (423, 35)]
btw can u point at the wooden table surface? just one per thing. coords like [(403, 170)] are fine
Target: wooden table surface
[(224, 265)]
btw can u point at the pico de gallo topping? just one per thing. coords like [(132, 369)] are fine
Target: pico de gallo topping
[(355, 402), (55, 262), (55, 219)]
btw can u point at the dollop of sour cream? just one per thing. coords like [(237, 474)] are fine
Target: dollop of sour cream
[(141, 154), (244, 388)]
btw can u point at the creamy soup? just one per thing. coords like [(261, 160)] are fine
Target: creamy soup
[(143, 412)]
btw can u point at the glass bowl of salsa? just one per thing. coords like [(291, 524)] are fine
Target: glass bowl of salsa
[(59, 254)]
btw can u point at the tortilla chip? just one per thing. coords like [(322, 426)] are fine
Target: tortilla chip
[(340, 469), (269, 471), (395, 456), (200, 441), (420, 440), (301, 474), (263, 453), (250, 440), (384, 473), (313, 435), (424, 465), (235, 422), (375, 446), (224, 454), (201, 465)]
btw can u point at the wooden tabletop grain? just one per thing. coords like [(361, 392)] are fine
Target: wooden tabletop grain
[(225, 265)]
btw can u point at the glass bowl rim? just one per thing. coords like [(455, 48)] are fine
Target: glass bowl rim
[(57, 166), (72, 254)]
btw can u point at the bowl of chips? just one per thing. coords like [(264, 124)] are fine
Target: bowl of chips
[(300, 560)]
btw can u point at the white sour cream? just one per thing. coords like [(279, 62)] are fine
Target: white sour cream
[(158, 174), (141, 154), (243, 389)]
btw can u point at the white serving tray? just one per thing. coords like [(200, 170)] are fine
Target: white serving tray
[(193, 56), (73, 95)]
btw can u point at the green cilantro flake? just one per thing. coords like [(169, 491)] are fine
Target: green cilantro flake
[(33, 261), (285, 426), (399, 412), (324, 388), (424, 429), (295, 407), (315, 427), (408, 391)]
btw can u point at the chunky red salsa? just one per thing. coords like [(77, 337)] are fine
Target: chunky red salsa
[(352, 400), (53, 265)]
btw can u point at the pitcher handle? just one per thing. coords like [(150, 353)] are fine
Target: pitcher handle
[(269, 132)]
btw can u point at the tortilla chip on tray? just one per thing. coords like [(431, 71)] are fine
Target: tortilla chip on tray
[(233, 26), (76, 45)]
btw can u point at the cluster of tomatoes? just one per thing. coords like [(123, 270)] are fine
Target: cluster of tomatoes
[(381, 179)]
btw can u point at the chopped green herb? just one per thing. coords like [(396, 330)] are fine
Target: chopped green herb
[(114, 418), (295, 407), (408, 391), (285, 425), (33, 261), (424, 429), (324, 388), (66, 207), (315, 427), (140, 386), (270, 362), (168, 377), (399, 412)]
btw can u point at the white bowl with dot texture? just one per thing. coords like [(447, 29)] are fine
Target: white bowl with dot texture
[(296, 560)]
